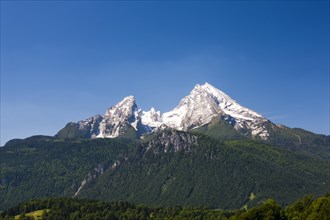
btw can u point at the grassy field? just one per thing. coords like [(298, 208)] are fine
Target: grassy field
[(37, 215)]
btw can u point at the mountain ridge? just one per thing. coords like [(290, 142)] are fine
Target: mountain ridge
[(201, 109), (201, 106)]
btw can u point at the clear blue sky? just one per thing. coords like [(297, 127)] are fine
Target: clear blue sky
[(64, 61)]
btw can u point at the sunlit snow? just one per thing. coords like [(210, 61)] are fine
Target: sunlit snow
[(201, 106)]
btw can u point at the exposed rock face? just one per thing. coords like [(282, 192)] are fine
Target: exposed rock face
[(172, 141), (92, 175), (118, 118), (90, 126)]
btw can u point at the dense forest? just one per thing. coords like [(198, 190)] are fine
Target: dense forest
[(171, 167), (68, 208)]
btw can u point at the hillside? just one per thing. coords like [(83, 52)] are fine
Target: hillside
[(169, 167)]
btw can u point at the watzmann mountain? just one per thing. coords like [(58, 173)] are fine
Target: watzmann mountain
[(204, 104), (203, 110), (208, 151)]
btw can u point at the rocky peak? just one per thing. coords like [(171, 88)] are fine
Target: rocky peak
[(117, 118), (200, 107), (194, 110), (204, 103), (123, 110)]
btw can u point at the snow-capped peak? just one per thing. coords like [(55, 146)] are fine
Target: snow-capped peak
[(117, 117), (194, 110), (200, 107), (127, 104), (205, 103), (216, 92), (229, 105)]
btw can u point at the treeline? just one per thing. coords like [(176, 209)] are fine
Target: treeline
[(68, 208)]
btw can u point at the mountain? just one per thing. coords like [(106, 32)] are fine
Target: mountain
[(201, 106), (208, 151), (205, 103), (117, 120), (205, 108)]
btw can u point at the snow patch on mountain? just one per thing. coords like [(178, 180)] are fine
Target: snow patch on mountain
[(194, 110), (200, 107), (151, 118)]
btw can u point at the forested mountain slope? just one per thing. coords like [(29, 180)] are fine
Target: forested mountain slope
[(169, 167)]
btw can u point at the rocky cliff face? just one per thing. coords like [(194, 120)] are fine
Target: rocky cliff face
[(172, 141), (118, 118)]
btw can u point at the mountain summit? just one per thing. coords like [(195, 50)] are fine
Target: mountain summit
[(117, 118), (204, 104)]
